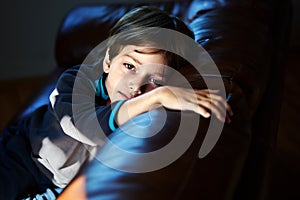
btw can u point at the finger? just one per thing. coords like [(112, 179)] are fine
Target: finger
[(228, 120), (228, 108), (214, 108), (210, 91), (206, 92), (217, 105), (202, 111), (222, 101), (192, 105), (215, 100)]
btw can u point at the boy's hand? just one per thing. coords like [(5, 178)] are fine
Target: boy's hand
[(203, 102)]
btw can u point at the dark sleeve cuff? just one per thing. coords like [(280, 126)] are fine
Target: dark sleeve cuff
[(111, 122)]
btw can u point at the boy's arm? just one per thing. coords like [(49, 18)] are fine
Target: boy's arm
[(73, 105), (202, 102)]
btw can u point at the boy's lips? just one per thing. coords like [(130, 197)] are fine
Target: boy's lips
[(124, 95)]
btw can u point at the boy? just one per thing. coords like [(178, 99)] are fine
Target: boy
[(49, 147)]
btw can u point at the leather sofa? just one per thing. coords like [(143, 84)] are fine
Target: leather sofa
[(247, 40)]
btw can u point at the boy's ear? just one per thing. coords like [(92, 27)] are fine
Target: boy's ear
[(106, 62)]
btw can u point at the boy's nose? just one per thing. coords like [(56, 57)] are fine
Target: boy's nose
[(136, 85), (135, 91)]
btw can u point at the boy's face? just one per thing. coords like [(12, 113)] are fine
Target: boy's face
[(134, 71)]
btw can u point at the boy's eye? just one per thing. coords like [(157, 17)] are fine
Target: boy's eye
[(154, 81), (129, 66)]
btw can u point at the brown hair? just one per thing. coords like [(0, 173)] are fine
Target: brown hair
[(139, 27)]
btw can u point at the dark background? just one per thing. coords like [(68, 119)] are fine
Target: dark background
[(28, 31), (27, 38)]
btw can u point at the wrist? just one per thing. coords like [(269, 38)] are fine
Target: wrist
[(159, 95)]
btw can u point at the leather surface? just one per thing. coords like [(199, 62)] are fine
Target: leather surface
[(242, 37)]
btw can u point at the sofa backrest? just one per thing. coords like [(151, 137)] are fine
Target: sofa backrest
[(245, 39)]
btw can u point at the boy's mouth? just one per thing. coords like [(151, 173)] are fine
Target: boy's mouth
[(124, 95)]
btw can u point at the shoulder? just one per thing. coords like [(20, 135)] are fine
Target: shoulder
[(82, 73)]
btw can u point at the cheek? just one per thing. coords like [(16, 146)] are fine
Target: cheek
[(114, 78)]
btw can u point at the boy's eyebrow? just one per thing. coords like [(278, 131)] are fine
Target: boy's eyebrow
[(133, 58)]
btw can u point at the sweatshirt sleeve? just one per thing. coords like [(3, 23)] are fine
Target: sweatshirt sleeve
[(74, 104)]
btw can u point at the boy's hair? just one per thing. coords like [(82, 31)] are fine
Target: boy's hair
[(140, 27)]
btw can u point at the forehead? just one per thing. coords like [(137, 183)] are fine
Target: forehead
[(143, 53)]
